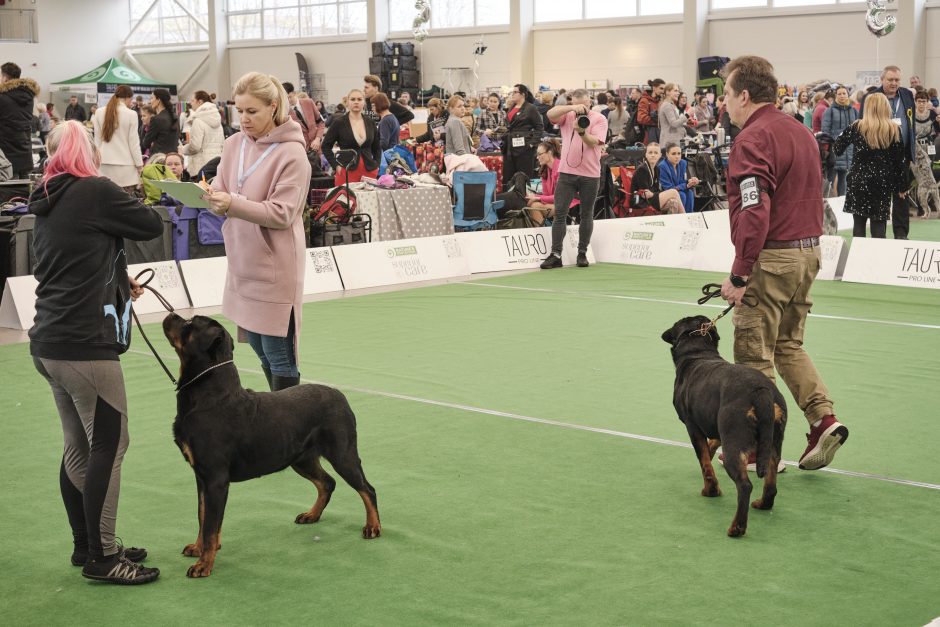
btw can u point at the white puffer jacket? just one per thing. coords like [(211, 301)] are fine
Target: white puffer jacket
[(205, 137)]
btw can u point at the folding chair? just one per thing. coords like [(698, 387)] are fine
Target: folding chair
[(474, 204)]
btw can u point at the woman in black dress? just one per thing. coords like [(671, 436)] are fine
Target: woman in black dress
[(525, 129), (878, 167), (163, 136), (646, 189)]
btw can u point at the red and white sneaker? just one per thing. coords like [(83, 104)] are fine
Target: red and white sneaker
[(752, 463), (822, 443)]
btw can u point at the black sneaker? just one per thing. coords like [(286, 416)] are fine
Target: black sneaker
[(582, 260), (120, 570), (134, 554), (552, 261)]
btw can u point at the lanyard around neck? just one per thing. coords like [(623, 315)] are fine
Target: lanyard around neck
[(242, 175)]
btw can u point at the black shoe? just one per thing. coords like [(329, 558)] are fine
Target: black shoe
[(120, 570), (552, 261), (134, 554), (267, 377), (582, 260), (282, 383)]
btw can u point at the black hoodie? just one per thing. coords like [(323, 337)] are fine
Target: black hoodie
[(83, 298)]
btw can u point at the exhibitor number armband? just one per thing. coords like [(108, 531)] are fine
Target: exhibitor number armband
[(750, 192)]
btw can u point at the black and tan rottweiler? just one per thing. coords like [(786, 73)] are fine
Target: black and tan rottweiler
[(727, 405), (228, 433)]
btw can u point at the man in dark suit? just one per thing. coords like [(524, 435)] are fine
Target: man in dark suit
[(901, 102)]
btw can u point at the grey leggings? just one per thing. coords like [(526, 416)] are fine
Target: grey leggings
[(92, 405), (585, 189)]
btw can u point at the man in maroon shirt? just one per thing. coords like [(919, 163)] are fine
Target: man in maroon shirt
[(776, 212)]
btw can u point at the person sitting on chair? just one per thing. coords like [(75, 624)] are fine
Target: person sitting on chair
[(673, 171), (542, 205), (647, 190)]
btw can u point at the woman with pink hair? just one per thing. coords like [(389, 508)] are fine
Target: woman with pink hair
[(82, 326)]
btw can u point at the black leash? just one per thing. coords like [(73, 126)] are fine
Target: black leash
[(713, 290), (163, 301)]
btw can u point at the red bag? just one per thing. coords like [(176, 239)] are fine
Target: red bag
[(621, 207), (337, 208)]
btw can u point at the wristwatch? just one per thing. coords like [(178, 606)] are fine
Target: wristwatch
[(737, 281)]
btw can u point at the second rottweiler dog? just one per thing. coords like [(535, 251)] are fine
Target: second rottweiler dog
[(228, 433), (727, 405)]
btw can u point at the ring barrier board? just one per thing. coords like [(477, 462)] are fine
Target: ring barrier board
[(321, 274), (205, 280), (518, 249), (712, 220), (844, 220), (627, 242), (19, 302), (395, 262), (908, 263), (167, 280), (834, 255)]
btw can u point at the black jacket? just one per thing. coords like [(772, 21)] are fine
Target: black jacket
[(341, 133), (434, 121), (16, 117), (402, 113), (163, 134), (83, 298), (645, 178), (526, 123), (76, 113)]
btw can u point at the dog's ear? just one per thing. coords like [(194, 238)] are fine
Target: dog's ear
[(219, 341), (669, 337)]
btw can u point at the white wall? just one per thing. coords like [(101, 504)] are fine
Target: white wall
[(805, 48), (626, 55), (174, 67), (74, 37), (932, 73), (457, 51), (344, 63)]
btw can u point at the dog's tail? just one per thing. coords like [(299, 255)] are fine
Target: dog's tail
[(764, 409)]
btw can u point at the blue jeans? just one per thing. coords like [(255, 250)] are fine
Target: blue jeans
[(276, 353), (840, 184)]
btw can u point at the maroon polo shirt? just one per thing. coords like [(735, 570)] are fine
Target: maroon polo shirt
[(774, 185)]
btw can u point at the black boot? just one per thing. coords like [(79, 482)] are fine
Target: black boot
[(282, 383), (267, 375)]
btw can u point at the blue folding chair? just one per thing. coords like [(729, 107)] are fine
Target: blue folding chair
[(474, 204)]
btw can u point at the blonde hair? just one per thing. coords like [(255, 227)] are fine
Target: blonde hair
[(668, 87), (268, 90), (454, 101), (876, 126)]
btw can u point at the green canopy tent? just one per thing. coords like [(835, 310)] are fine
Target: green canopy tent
[(99, 84)]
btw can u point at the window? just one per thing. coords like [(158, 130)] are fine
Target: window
[(292, 19), (155, 22), (777, 4), (450, 13), (571, 10)]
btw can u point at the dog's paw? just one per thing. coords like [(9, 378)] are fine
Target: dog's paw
[(192, 550), (306, 518), (711, 491), (761, 504), (736, 531), (371, 531), (199, 569)]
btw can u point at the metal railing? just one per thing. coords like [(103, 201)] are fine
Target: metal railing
[(18, 25)]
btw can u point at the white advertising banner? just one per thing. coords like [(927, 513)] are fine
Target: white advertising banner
[(716, 220), (321, 274), (834, 255), (908, 263), (625, 241), (19, 302), (166, 280), (205, 280), (518, 249), (845, 220), (400, 261)]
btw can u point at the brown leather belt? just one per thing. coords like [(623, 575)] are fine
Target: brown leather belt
[(807, 242)]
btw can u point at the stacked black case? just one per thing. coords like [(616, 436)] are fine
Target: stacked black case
[(396, 65)]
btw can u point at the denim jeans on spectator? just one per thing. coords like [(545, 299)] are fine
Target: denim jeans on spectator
[(276, 353), (585, 189)]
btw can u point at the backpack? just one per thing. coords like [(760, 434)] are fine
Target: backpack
[(338, 207), (632, 133), (154, 172)]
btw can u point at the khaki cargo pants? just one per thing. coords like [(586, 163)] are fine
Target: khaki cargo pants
[(771, 334)]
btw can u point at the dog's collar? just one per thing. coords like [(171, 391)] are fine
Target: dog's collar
[(179, 387)]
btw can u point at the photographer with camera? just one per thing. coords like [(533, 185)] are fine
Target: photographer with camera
[(583, 133)]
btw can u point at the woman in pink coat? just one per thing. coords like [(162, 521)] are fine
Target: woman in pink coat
[(261, 186)]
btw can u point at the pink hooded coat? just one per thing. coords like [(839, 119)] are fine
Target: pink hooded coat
[(264, 232)]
